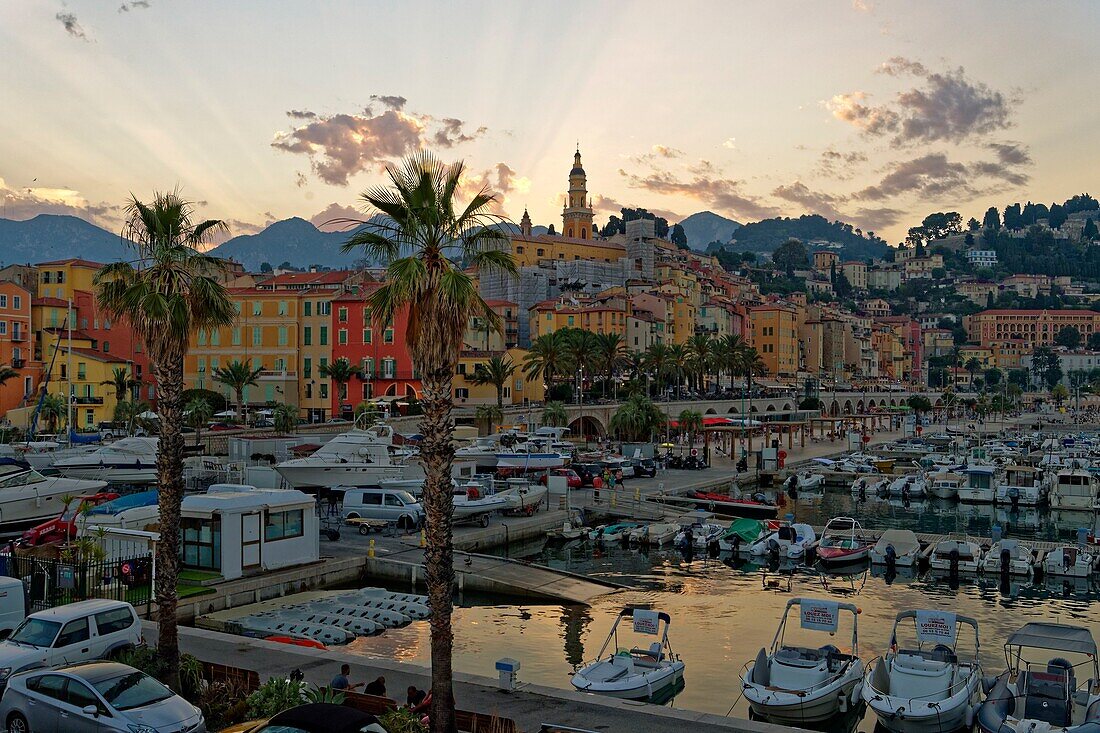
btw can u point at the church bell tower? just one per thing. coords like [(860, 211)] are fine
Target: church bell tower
[(577, 213)]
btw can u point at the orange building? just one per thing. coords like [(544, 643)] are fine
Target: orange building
[(1030, 328), (16, 346)]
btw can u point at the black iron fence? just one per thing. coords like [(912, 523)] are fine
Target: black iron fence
[(51, 582)]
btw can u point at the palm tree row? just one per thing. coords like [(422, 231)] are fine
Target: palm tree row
[(575, 353)]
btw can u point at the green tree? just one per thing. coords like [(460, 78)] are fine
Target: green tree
[(237, 376), (919, 404), (555, 415), (547, 358), (678, 236), (1090, 232), (266, 267), (498, 372), (610, 356), (367, 413), (427, 239), (7, 374), (340, 371), (973, 366), (691, 422), (973, 225), (728, 353), (1059, 393), (490, 415), (636, 420), (580, 345), (790, 256), (1018, 377), (1057, 216), (1046, 365), (1069, 337), (197, 412), (993, 376), (992, 219), (701, 352), (285, 417), (131, 412), (122, 382), (54, 410), (167, 293)]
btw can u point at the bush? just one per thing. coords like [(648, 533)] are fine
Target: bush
[(273, 697), (402, 720)]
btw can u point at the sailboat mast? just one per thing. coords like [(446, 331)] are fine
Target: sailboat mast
[(69, 369)]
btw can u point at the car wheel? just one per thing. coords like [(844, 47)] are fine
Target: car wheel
[(18, 724), (484, 520)]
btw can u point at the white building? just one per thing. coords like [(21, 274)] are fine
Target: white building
[(981, 257)]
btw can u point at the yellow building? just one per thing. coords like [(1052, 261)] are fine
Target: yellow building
[(775, 337), (552, 315), (81, 371), (856, 274), (825, 260), (518, 391)]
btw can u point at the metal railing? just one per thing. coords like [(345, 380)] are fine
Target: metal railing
[(52, 582)]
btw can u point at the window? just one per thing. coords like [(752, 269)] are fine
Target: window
[(51, 685), (367, 335), (307, 308), (79, 695), (462, 393), (540, 252), (216, 337), (366, 315), (387, 336), (388, 368), (257, 308), (324, 336), (342, 314), (324, 391), (324, 308), (3, 328), (280, 365), (392, 500), (307, 367), (257, 336), (73, 632), (236, 336), (282, 335), (201, 543), (202, 337), (282, 308), (60, 277), (519, 251), (17, 302), (89, 418), (309, 391), (368, 367), (106, 347), (201, 365), (81, 370), (307, 336), (3, 301), (46, 278)]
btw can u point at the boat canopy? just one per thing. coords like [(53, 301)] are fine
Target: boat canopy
[(122, 503), (1058, 637), (903, 540)]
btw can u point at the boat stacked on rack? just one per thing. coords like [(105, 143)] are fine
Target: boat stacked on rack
[(126, 461), (631, 672)]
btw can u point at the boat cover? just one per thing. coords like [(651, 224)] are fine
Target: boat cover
[(1058, 637), (747, 529), (903, 540), (122, 503)]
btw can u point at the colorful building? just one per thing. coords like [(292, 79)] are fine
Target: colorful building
[(775, 336), (1030, 327), (16, 346)]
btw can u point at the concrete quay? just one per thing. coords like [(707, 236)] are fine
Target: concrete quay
[(529, 706)]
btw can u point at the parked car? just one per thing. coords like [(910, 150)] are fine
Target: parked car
[(572, 478), (216, 426), (13, 605), (318, 717), (645, 467), (587, 472), (76, 632), (99, 696), (390, 505)]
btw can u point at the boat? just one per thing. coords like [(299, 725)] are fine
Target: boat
[(794, 684), (979, 487), (63, 526), (871, 485), (757, 507), (1022, 486), (1069, 561), (897, 548), (790, 541), (1011, 557), (701, 531), (266, 624), (567, 533), (912, 486), (27, 497), (1045, 695), (632, 673), (534, 454), (804, 481), (42, 454), (612, 532), (297, 641), (470, 504), (956, 554), (658, 533), (523, 496), (842, 543), (1075, 490), (926, 688), (356, 458), (741, 534), (946, 485), (132, 511), (126, 461)]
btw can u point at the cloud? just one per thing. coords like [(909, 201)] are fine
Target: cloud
[(390, 101), (134, 5), (730, 143), (1011, 153), (301, 180), (342, 145), (827, 205), (607, 206), (721, 193), (500, 181), (663, 151), (72, 25), (863, 6), (335, 211), (27, 203), (934, 175), (948, 107), (840, 166)]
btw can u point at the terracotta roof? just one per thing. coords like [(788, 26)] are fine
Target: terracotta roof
[(98, 355), (55, 302), (72, 261), (334, 277), (1012, 312), (496, 303)]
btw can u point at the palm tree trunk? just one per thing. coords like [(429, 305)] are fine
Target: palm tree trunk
[(240, 405), (169, 374), (437, 453), (500, 401)]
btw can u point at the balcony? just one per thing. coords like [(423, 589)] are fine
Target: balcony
[(87, 400), (18, 336), (18, 363)]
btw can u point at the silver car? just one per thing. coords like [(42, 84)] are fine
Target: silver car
[(95, 697)]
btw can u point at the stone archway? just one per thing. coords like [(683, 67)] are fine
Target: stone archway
[(711, 411), (859, 407), (834, 409), (771, 408), (733, 411), (587, 425), (788, 406), (847, 407)]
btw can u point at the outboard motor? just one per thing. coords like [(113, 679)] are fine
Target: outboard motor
[(891, 558), (713, 548), (742, 465), (735, 544), (773, 550), (862, 490), (1014, 497), (953, 561), (792, 486), (1006, 567)]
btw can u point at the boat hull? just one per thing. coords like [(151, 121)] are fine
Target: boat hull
[(530, 461), (324, 475), (141, 473), (792, 708), (26, 505), (632, 689)]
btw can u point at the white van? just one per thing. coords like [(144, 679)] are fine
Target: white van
[(77, 632), (390, 505), (13, 605)]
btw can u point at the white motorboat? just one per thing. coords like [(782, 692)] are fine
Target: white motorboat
[(871, 485), (27, 497), (912, 486), (358, 458), (523, 496), (483, 451), (132, 512), (1011, 557), (1022, 486), (633, 673), (701, 534), (612, 532), (979, 487), (946, 485), (568, 531), (793, 684), (1069, 561), (842, 543), (805, 481), (531, 455), (126, 461), (470, 504), (926, 688), (658, 533), (790, 541), (1075, 490), (41, 454), (1045, 695), (896, 547), (956, 554)]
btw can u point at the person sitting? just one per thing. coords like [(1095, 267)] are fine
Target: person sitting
[(378, 687), (341, 682), (414, 697)]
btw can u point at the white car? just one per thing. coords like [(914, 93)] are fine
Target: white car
[(77, 632)]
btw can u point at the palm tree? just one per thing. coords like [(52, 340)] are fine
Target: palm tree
[(168, 292), (728, 352), (369, 410), (658, 361), (130, 412), (53, 410), (428, 241), (285, 417), (6, 374), (610, 356), (546, 358), (749, 364), (123, 383), (702, 351), (490, 414), (498, 372), (691, 422), (554, 414), (679, 361), (340, 372), (973, 366), (238, 375), (579, 347), (636, 420), (198, 411)]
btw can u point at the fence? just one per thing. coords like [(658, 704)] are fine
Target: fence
[(52, 582)]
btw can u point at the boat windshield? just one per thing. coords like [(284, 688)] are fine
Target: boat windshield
[(14, 476)]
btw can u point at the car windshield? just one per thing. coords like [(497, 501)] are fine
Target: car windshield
[(133, 690), (36, 632), (406, 497)]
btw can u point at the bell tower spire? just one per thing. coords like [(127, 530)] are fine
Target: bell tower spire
[(577, 214)]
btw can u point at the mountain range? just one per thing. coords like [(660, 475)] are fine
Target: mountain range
[(49, 237), (706, 227)]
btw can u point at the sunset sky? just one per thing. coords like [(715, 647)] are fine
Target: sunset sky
[(872, 111)]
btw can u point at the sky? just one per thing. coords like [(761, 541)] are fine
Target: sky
[(870, 111)]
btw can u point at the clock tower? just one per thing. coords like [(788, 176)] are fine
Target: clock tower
[(577, 215)]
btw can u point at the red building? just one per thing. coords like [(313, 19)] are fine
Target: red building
[(379, 350)]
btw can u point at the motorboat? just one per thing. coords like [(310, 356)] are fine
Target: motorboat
[(804, 481), (1022, 486), (470, 504), (28, 497), (126, 461), (1009, 557), (358, 458), (842, 543), (567, 533), (946, 485), (523, 496), (483, 451), (741, 534), (1075, 490), (979, 487), (1039, 689), (871, 485), (790, 541), (531, 455), (658, 533), (1069, 561), (757, 507), (612, 532), (792, 684), (42, 454), (926, 688), (697, 531), (897, 548), (956, 555), (633, 673), (132, 511), (912, 486)]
